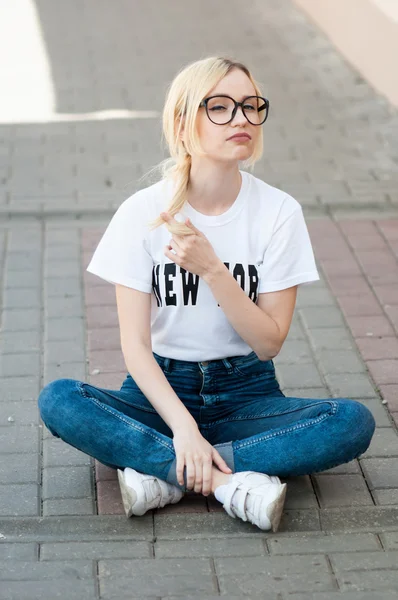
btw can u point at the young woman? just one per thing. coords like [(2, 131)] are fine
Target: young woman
[(206, 264)]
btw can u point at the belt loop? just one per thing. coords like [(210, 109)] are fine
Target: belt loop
[(227, 365), (167, 365)]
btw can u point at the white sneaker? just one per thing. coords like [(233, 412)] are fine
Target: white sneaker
[(141, 492), (255, 497)]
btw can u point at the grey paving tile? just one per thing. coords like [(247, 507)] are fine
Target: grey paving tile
[(371, 580), (14, 342), (19, 468), (342, 490), (380, 472), (384, 443), (19, 388), (17, 552), (18, 439), (19, 500), (364, 561), (67, 482), (44, 590), (346, 386), (22, 413), (386, 497), (96, 550), (323, 543), (209, 547), (181, 576), (68, 506), (56, 453)]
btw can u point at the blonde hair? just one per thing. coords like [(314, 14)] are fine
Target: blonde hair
[(184, 95)]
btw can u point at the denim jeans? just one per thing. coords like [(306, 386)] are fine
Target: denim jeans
[(238, 406)]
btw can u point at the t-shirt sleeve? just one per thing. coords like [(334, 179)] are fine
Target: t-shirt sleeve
[(289, 258), (122, 255)]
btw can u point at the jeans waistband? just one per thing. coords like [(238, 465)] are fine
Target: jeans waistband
[(169, 364)]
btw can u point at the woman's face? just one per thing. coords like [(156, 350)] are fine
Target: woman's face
[(216, 139)]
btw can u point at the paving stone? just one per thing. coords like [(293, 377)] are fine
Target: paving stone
[(390, 393), (380, 472), (68, 506), (323, 543), (389, 497), (22, 298), (379, 348), (305, 375), (67, 482), (22, 279), (30, 571), (61, 269), (21, 319), (346, 386), (86, 528), (368, 326), (270, 565), (294, 351), (58, 453), (210, 547), (340, 361), (350, 468), (109, 498), (331, 339), (285, 582), (314, 297), (18, 552), (338, 595), (300, 493), (54, 286), (366, 518), (22, 413), (64, 328), (69, 306), (384, 443), (321, 317), (379, 412), (342, 490), (44, 590), (12, 365), (96, 550), (172, 576), (17, 439), (390, 540), (369, 580), (19, 499), (69, 370), (16, 341), (384, 371), (364, 561), (69, 351), (14, 389), (320, 393), (19, 468)]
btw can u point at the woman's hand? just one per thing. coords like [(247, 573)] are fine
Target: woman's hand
[(194, 252), (198, 455)]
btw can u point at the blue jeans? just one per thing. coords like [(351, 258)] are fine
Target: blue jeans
[(238, 406)]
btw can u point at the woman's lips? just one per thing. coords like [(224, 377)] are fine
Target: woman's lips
[(240, 136)]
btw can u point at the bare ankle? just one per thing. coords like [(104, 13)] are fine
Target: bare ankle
[(218, 478)]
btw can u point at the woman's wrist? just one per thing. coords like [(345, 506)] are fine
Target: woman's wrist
[(187, 424)]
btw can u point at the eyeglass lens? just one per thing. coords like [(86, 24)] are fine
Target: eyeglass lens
[(220, 109)]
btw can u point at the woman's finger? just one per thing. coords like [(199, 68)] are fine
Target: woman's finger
[(190, 471), (220, 462), (207, 477), (180, 463)]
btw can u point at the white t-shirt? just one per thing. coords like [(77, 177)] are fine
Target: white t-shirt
[(262, 238)]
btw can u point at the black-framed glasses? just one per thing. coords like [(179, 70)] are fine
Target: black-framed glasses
[(221, 109)]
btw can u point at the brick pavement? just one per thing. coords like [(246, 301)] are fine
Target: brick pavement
[(331, 142)]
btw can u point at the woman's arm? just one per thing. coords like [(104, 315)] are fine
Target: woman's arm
[(265, 325), (134, 309)]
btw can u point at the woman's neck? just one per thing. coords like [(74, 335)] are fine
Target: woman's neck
[(212, 189)]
